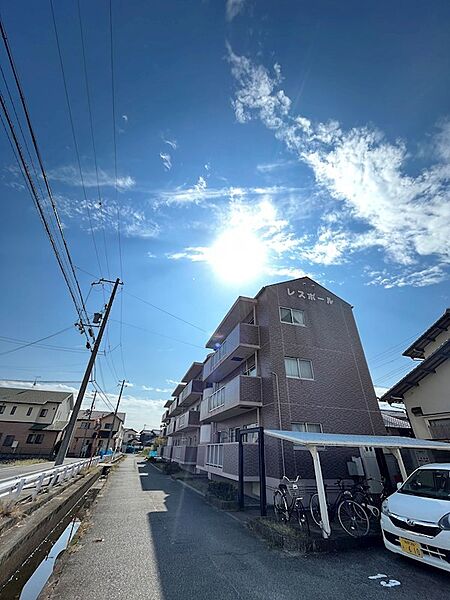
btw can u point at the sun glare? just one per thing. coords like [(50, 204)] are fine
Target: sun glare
[(238, 255)]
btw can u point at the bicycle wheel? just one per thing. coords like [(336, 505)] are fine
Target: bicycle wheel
[(280, 506), (314, 509), (302, 517), (353, 518)]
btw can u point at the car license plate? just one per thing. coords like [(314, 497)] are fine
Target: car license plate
[(411, 547)]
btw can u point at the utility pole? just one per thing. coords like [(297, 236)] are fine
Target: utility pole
[(115, 414), (90, 415), (73, 417)]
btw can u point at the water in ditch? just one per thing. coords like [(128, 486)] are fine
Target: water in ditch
[(29, 580)]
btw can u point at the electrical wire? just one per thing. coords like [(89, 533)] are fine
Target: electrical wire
[(27, 345), (163, 335), (72, 126)]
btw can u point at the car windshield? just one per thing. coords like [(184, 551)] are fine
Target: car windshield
[(429, 483)]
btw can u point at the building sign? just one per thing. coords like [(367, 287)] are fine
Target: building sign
[(312, 296)]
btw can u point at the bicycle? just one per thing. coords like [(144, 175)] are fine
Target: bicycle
[(287, 501), (351, 515), (370, 503)]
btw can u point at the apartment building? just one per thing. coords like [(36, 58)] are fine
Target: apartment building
[(32, 421), (425, 390), (290, 358), (92, 431)]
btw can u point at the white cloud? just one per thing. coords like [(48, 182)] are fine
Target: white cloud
[(172, 143), (408, 217), (133, 222), (275, 166), (166, 160), (125, 118), (70, 175), (151, 255), (233, 8), (149, 388), (422, 278)]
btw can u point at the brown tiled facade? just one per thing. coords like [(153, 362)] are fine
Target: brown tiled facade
[(246, 383)]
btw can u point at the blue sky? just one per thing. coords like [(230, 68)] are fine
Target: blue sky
[(256, 141)]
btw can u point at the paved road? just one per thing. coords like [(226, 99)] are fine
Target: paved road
[(161, 541), (10, 472)]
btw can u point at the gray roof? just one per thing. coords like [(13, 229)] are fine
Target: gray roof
[(417, 348), (32, 395), (355, 441), (85, 415), (395, 422)]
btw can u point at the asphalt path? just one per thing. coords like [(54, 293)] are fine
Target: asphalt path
[(153, 538)]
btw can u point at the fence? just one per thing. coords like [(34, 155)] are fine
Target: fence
[(10, 491)]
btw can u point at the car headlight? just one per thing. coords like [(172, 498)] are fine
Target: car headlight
[(384, 508), (444, 523)]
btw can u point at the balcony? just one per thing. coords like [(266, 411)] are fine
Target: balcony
[(222, 459), (188, 421), (239, 345), (171, 427), (239, 395), (191, 393), (184, 455), (175, 409)]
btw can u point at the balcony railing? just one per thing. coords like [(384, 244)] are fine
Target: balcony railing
[(236, 396), (185, 455), (223, 459), (191, 392), (188, 420), (239, 345)]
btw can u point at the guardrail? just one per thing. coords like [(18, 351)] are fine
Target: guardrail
[(10, 491)]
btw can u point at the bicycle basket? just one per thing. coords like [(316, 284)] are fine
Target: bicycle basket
[(296, 490)]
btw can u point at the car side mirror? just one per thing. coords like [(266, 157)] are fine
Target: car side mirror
[(399, 484)]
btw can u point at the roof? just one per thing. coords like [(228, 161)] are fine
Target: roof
[(86, 415), (56, 426), (177, 391), (355, 441), (445, 466), (416, 350), (235, 315), (32, 395), (394, 422), (193, 372), (304, 280), (423, 369)]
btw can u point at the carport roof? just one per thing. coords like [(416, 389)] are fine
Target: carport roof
[(355, 441)]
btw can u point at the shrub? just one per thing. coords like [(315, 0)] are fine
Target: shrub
[(222, 490), (169, 468)]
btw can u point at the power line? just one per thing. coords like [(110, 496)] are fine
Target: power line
[(52, 335), (91, 123), (46, 346), (163, 335), (72, 126), (80, 308)]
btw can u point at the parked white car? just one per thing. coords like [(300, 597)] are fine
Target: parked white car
[(415, 520)]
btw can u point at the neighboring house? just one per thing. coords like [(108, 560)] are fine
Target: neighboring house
[(130, 438), (92, 430), (148, 436), (32, 421), (395, 420), (290, 358), (425, 390)]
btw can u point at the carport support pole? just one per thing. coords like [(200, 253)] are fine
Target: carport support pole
[(240, 472), (326, 529), (398, 455), (262, 473)]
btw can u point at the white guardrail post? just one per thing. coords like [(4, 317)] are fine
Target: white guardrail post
[(11, 490)]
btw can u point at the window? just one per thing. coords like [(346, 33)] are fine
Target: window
[(35, 438), (439, 428), (2, 409), (233, 434), (43, 412), (13, 410), (299, 368), (108, 425), (250, 437), (307, 427), (29, 411), (250, 367), (217, 399), (85, 425), (8, 441), (428, 483), (292, 316)]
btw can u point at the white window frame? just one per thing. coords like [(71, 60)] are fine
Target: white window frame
[(292, 320), (306, 423), (298, 368)]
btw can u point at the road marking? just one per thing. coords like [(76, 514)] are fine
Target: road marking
[(390, 583), (377, 576)]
